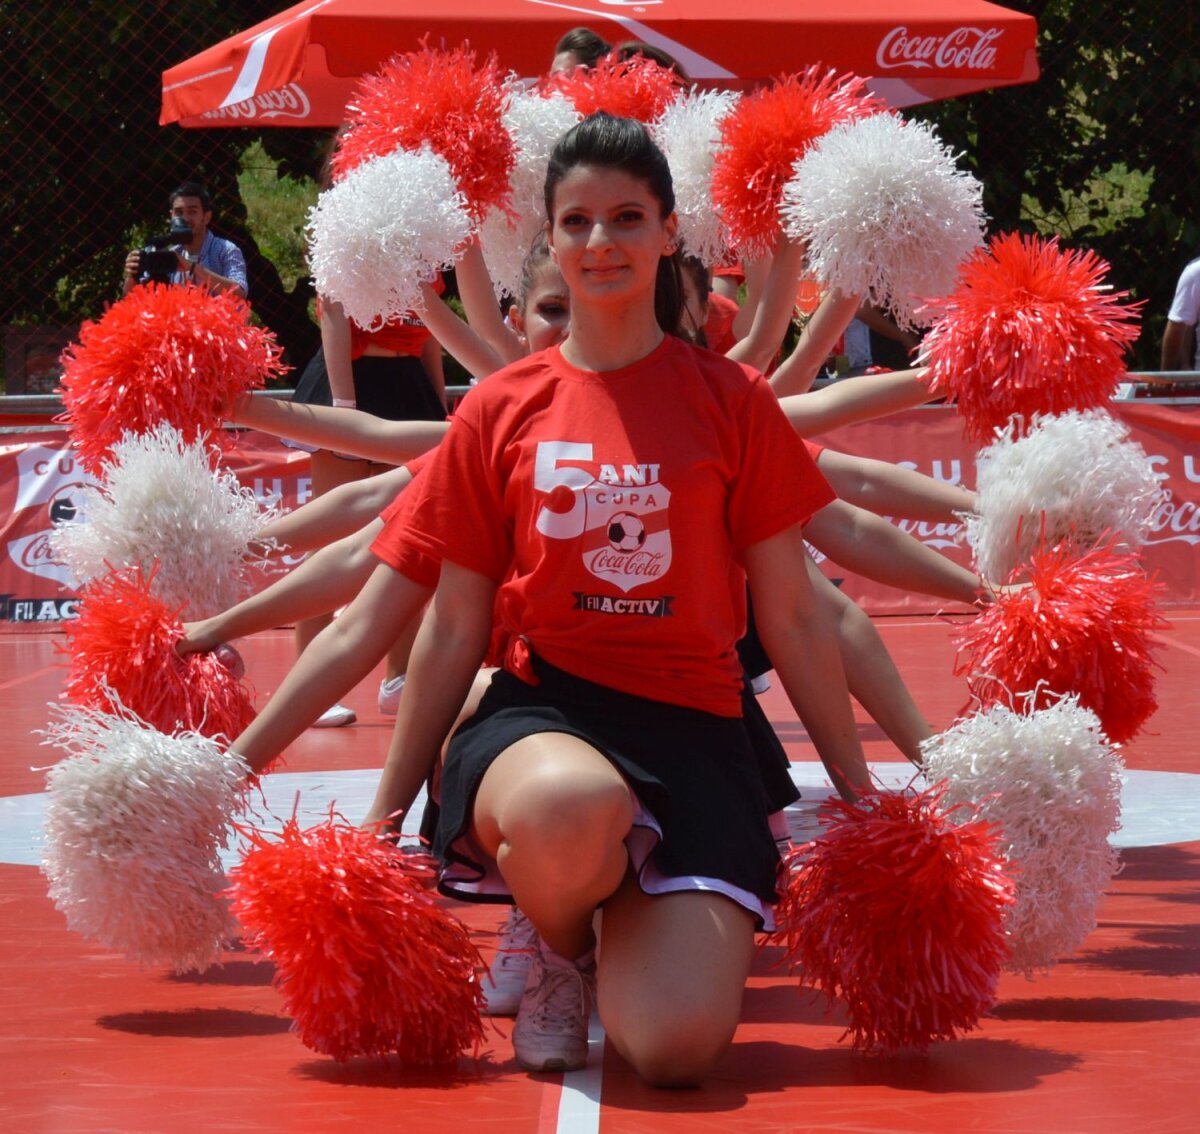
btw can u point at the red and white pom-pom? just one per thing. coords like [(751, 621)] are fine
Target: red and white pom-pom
[(885, 212), (1084, 626), (638, 87), (898, 911), (688, 133), (439, 99), (1051, 782), (164, 354), (1073, 479), (367, 961), (382, 230), (535, 119), (161, 502), (123, 644), (134, 823), (1030, 328), (764, 136)]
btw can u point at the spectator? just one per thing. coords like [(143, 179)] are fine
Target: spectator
[(1179, 348), (580, 47), (206, 259)]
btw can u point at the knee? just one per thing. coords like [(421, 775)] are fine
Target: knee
[(682, 1055), (561, 814)]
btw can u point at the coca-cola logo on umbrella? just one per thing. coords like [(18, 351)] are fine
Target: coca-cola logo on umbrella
[(286, 102), (963, 49)]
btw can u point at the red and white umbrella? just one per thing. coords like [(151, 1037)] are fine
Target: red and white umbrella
[(299, 68)]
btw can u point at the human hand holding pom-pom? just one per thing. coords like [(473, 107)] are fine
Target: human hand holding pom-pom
[(1029, 329), (897, 911), (764, 135), (164, 354), (123, 645), (367, 961), (1084, 625)]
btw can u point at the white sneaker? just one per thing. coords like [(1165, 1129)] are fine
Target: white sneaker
[(505, 981), (335, 717), (551, 1032), (389, 695)]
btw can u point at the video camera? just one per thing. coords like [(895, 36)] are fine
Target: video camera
[(157, 261)]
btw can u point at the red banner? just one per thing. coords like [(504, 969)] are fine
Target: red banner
[(39, 480)]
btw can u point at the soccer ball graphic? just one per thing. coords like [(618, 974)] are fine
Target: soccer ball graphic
[(626, 532)]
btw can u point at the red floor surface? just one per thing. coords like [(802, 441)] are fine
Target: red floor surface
[(1108, 1041)]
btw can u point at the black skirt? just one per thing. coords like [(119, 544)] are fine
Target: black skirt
[(394, 388), (703, 807)]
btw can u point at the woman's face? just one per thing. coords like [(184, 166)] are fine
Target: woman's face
[(607, 237), (545, 316)]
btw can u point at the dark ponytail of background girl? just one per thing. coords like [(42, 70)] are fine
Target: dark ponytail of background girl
[(603, 141)]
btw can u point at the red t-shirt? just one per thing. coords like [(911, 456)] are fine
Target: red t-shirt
[(718, 327), (405, 334), (622, 501), (393, 550)]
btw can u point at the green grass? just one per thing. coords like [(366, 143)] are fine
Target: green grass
[(277, 211)]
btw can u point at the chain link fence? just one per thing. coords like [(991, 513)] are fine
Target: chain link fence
[(1104, 150)]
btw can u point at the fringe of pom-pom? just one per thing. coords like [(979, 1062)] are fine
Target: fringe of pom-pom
[(1074, 479), (162, 502), (638, 87), (535, 119), (123, 645), (164, 354), (437, 98), (1084, 625), (1029, 329), (367, 961), (134, 821), (885, 212), (1052, 783), (762, 138), (897, 911), (688, 132), (382, 230)]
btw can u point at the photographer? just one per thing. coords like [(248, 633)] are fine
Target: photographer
[(200, 256)]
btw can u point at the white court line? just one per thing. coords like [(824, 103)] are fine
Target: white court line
[(579, 1102)]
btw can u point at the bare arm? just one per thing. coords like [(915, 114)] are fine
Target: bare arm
[(856, 399), (798, 632), (479, 302), (463, 343), (335, 661), (892, 490), (335, 343), (434, 365), (322, 583), (346, 430), (796, 373), (338, 513), (774, 309), (869, 546), (445, 659), (1178, 347), (756, 279)]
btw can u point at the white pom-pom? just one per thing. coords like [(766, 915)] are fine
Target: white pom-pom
[(885, 212), (689, 133), (162, 501), (386, 227), (1052, 781), (535, 122), (1076, 477), (134, 820)]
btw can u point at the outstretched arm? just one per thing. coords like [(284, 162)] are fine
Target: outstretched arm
[(796, 373), (893, 490), (798, 632), (461, 341), (856, 399), (445, 659), (479, 302), (343, 430), (773, 312)]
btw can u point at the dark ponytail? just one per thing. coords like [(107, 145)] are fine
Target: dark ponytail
[(603, 141)]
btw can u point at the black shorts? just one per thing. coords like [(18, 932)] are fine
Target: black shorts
[(702, 822)]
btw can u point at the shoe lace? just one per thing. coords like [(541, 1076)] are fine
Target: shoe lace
[(563, 999)]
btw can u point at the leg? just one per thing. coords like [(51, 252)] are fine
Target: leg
[(554, 814), (672, 968)]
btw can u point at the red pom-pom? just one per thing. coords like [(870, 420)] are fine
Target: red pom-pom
[(638, 87), (123, 643), (439, 98), (366, 960), (1029, 329), (1083, 626), (764, 135), (898, 911), (163, 354)]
